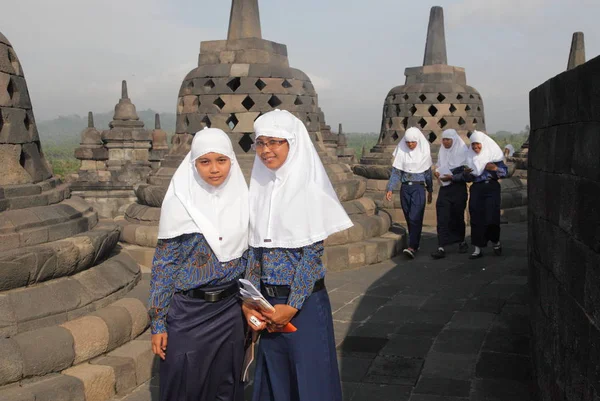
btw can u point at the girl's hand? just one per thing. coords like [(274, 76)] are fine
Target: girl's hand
[(388, 196), (159, 345), (436, 174), (283, 315), (446, 178), (250, 312)]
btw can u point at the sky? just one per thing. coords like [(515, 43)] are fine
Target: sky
[(75, 52)]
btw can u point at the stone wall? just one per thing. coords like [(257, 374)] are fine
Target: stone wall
[(564, 233)]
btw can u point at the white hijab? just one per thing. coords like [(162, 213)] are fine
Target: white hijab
[(413, 161), (193, 206), (454, 157), (511, 150), (490, 153), (295, 205)]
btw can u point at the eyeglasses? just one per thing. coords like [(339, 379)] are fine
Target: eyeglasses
[(271, 144)]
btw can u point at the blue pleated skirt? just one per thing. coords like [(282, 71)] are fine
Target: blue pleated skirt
[(300, 366), (205, 350)]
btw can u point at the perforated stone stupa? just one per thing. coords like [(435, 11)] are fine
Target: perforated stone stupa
[(116, 160), (236, 81), (67, 293), (435, 97)]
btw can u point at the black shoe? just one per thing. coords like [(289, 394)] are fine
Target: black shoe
[(409, 252), (476, 255), (438, 254), (463, 247), (498, 250)]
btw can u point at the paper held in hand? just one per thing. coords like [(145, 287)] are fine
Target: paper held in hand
[(252, 296), (444, 171)]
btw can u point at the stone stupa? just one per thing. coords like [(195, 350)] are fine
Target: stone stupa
[(113, 162), (435, 97), (71, 306), (236, 81)]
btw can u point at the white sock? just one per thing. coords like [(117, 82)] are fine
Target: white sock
[(477, 251), (441, 249)]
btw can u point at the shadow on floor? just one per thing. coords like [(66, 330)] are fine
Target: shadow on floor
[(424, 330)]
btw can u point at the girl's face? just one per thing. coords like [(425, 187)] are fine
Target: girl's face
[(476, 146), (272, 151), (447, 142), (213, 168), (411, 145)]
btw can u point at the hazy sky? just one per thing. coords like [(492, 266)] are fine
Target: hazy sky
[(76, 52)]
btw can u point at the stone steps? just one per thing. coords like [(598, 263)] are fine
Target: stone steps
[(35, 264), (75, 349), (49, 192), (37, 225), (365, 227), (367, 252), (67, 298)]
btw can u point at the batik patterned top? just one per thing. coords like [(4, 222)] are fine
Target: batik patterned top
[(488, 175), (299, 268), (399, 176), (181, 264)]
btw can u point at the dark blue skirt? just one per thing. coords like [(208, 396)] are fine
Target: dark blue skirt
[(300, 366), (450, 208), (205, 350), (484, 211)]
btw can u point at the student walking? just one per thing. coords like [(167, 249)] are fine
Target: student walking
[(412, 167), (486, 166), (452, 197)]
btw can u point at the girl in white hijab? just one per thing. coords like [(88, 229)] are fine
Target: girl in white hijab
[(293, 209), (509, 150), (452, 198), (200, 255), (412, 167), (486, 166)]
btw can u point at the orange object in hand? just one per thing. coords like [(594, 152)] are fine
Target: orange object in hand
[(288, 328)]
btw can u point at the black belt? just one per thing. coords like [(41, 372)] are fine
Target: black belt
[(486, 181), (282, 291), (213, 296), (414, 183)]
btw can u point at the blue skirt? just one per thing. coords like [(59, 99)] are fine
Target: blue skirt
[(205, 350), (300, 366)]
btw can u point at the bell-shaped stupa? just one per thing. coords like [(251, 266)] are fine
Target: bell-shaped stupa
[(434, 97), (70, 301)]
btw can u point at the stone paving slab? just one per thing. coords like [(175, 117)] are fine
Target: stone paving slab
[(444, 330), (423, 330)]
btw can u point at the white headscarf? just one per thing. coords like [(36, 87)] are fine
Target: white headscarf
[(511, 150), (295, 205), (456, 156), (413, 161), (193, 206), (490, 152)]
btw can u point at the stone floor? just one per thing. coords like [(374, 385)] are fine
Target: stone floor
[(424, 330)]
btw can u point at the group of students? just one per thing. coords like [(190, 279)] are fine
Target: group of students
[(481, 163), (213, 231)]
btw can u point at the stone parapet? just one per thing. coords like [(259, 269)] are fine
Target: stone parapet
[(564, 247)]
